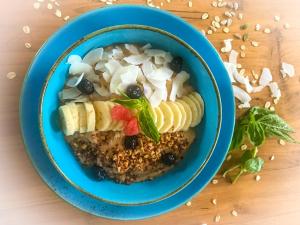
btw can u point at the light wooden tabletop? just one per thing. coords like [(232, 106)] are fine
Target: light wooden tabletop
[(275, 199)]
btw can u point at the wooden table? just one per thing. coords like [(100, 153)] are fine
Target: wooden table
[(25, 199)]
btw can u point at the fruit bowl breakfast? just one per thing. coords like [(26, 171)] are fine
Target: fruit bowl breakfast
[(130, 105)]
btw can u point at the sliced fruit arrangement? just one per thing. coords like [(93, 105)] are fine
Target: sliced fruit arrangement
[(169, 116)]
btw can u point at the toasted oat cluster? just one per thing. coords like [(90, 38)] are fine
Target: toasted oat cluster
[(106, 149)]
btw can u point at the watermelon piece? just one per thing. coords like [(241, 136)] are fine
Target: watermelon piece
[(132, 127), (119, 112)]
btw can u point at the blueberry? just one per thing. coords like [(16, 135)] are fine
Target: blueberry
[(131, 142), (168, 158), (100, 173), (86, 86), (134, 91), (176, 64)]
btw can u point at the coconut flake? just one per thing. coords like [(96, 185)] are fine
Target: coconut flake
[(136, 59), (114, 83), (158, 60), (275, 91), (228, 45), (155, 52), (161, 74), (233, 57), (241, 95), (132, 49), (287, 69), (106, 76), (73, 59), (93, 77), (112, 66), (147, 90), (265, 77), (129, 74), (117, 53), (69, 93), (102, 91), (156, 98), (147, 46), (244, 105), (93, 56), (231, 68), (100, 66), (148, 67), (79, 68), (177, 85), (74, 81), (248, 86), (257, 89)]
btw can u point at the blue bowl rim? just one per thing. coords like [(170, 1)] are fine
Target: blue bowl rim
[(108, 29)]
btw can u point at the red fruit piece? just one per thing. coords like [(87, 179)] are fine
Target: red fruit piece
[(132, 127), (119, 112)]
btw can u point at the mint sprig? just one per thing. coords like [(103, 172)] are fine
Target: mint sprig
[(144, 115), (256, 126)]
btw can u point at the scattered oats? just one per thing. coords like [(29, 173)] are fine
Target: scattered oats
[(281, 142), (214, 181), (234, 213), (257, 178), (236, 6), (286, 26), (11, 75), (223, 22), (36, 5), (168, 1), (272, 157), (217, 218), (287, 70), (253, 81), (40, 0), (232, 13), (272, 108), (254, 43), (277, 18), (209, 32), (190, 4), (226, 30), (189, 203), (161, 4), (230, 5), (228, 157), (227, 13), (239, 66), (223, 49), (245, 37), (244, 147), (27, 45), (108, 3), (49, 6), (267, 104), (255, 75), (267, 30), (243, 47), (66, 18), (276, 100), (214, 201), (217, 19), (243, 54), (216, 24), (204, 16), (58, 13), (242, 72), (26, 29), (237, 36), (56, 3), (214, 4), (240, 16), (229, 22), (257, 27), (213, 28), (244, 26)]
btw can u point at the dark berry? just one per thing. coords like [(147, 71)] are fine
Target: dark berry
[(176, 64), (134, 91), (168, 158), (86, 86), (100, 173), (131, 142)]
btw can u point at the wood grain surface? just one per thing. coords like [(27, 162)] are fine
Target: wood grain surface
[(274, 200)]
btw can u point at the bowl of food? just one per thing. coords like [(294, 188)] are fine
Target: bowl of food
[(130, 114)]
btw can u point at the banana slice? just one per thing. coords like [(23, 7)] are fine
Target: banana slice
[(168, 117), (183, 115), (177, 116), (201, 102), (194, 109), (159, 118), (103, 116), (75, 115), (82, 118), (66, 120), (189, 114), (199, 109), (90, 116)]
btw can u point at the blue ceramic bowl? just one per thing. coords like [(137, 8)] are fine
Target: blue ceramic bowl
[(146, 192)]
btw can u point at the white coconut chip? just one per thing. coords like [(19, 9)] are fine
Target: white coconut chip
[(147, 46), (148, 67), (69, 93), (160, 84), (161, 74), (112, 66), (156, 98), (233, 57), (102, 91), (244, 105), (155, 52), (265, 77), (93, 56), (74, 81), (79, 68), (158, 60), (129, 74), (100, 66), (93, 77), (73, 59), (177, 85), (114, 83), (257, 89), (275, 91), (241, 95), (117, 53), (228, 45), (231, 68), (287, 70), (137, 59), (147, 89), (106, 76), (132, 49), (168, 57)]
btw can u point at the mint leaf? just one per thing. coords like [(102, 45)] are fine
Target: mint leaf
[(259, 112), (280, 134), (238, 136), (130, 103), (274, 122), (256, 133), (147, 125), (253, 165)]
